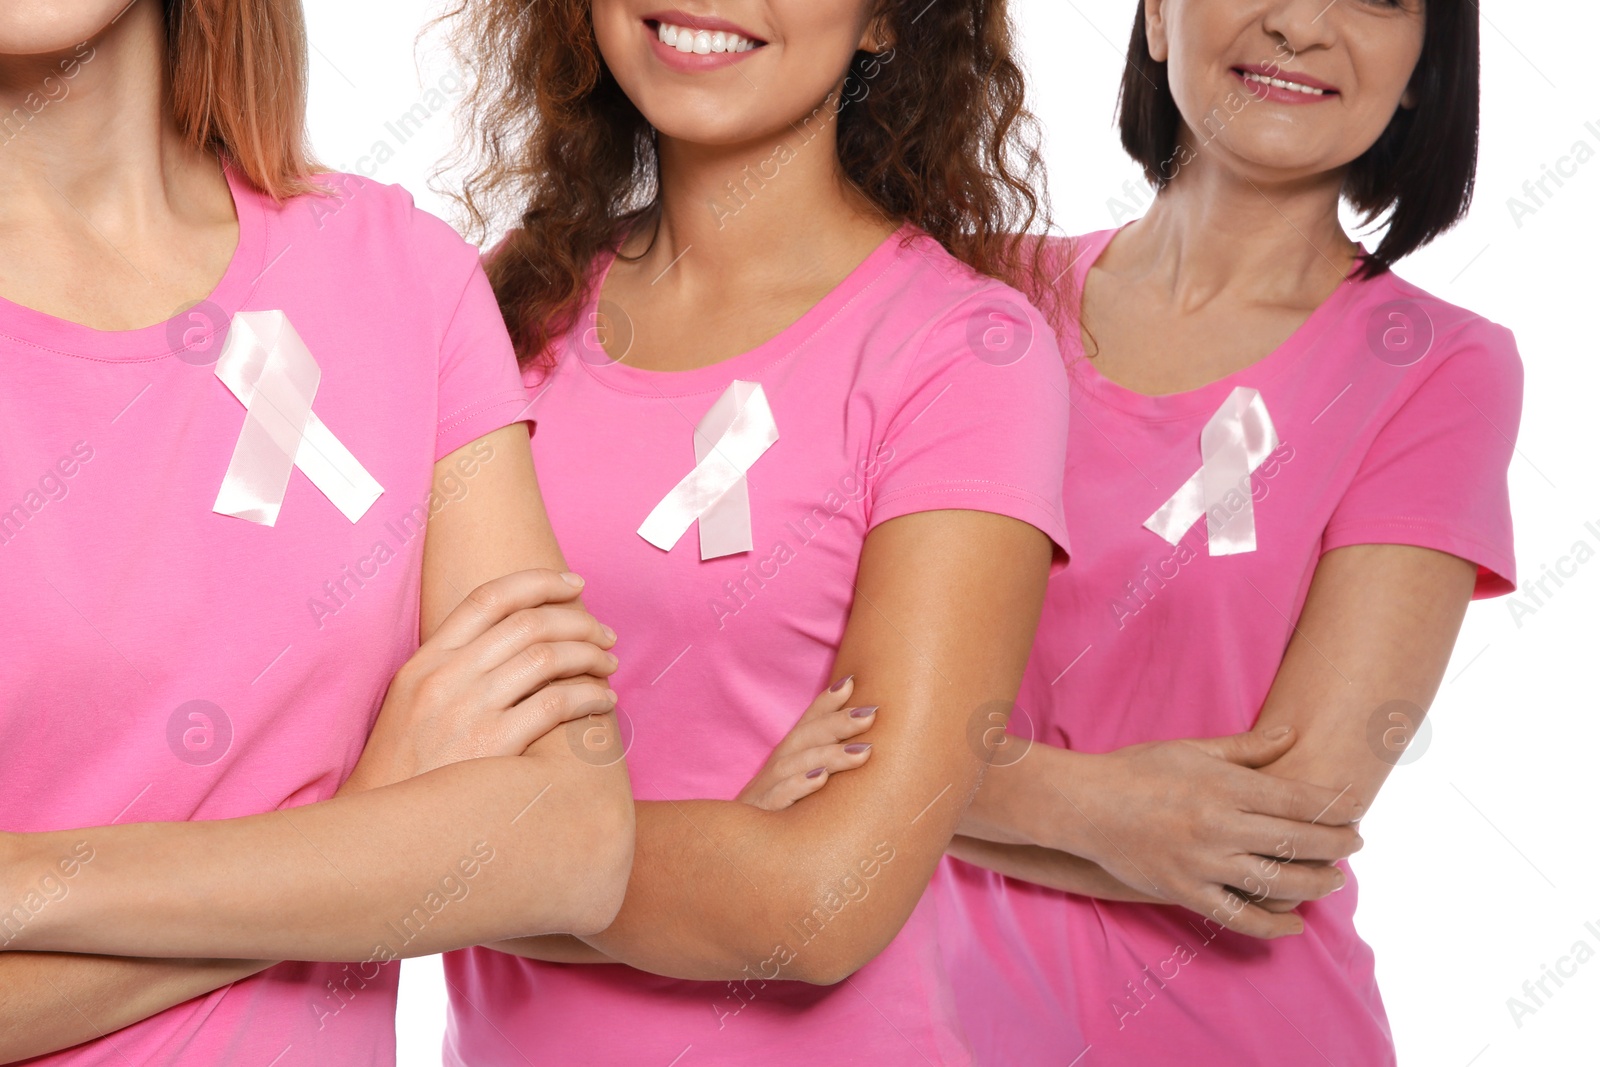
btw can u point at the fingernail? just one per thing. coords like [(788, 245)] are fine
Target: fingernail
[(611, 695), (612, 660), (840, 684), (857, 749), (1277, 732), (572, 580), (816, 773), (611, 635), (863, 713)]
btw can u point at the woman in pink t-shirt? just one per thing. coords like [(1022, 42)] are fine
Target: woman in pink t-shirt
[(1287, 477), (791, 436), (219, 537)]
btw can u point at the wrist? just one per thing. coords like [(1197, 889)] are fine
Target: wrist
[(37, 872)]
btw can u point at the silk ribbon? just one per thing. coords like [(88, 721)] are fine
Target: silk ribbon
[(266, 365), (1236, 440), (728, 440)]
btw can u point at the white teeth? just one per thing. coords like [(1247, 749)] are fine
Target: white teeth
[(701, 42), (1250, 75)]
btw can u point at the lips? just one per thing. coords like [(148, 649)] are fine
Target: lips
[(1273, 77), (701, 34)]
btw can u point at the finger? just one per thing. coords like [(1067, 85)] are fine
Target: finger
[(830, 699), (839, 725), (493, 601), (1254, 748), (819, 766), (1290, 841), (1276, 906), (832, 759), (552, 706), (1230, 909), (1260, 878), (1288, 798), (527, 627), (538, 665)]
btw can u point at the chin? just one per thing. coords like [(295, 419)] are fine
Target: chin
[(48, 27)]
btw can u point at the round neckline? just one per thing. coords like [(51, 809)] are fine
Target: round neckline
[(36, 329), (749, 363), (1159, 407)]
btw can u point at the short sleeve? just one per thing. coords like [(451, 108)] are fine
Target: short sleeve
[(981, 421), (1436, 474), (480, 388)]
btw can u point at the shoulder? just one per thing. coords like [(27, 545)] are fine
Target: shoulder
[(1441, 347), (348, 209)]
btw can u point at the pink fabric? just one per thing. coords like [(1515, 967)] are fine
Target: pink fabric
[(1143, 641), (140, 600), (901, 392)]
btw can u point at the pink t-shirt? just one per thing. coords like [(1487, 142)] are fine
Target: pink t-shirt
[(180, 664), (1396, 414), (914, 386)]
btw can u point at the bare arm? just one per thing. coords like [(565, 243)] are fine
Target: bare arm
[(1369, 651), (456, 856), (946, 606)]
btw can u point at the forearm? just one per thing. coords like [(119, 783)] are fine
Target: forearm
[(552, 948), (474, 852), (1047, 867), (50, 1001)]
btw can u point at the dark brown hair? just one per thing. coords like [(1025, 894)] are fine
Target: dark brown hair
[(238, 70), (935, 133), (1421, 169)]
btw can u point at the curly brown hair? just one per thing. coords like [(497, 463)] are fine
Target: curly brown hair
[(935, 133)]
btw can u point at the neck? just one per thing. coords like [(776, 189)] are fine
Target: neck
[(89, 130), (725, 209), (1214, 229)]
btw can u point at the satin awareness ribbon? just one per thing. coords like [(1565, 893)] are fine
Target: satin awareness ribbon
[(268, 368), (1235, 441), (728, 440)]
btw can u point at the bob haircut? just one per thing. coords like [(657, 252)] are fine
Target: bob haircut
[(1420, 170), (238, 71)]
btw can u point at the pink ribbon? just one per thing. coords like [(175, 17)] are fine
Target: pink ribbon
[(1235, 441), (268, 368), (728, 440)]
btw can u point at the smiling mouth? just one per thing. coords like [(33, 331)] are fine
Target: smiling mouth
[(702, 42), (1258, 78)]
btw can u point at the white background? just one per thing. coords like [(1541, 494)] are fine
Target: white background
[(1480, 866)]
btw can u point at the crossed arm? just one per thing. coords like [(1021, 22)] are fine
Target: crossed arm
[(945, 611), (266, 882), (1189, 821)]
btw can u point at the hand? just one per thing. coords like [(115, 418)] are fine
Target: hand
[(517, 658), (813, 751), (1194, 823)]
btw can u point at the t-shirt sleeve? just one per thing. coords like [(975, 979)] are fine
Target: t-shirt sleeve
[(480, 387), (981, 421), (1436, 474)]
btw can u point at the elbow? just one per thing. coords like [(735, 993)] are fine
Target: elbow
[(606, 860), (825, 969)]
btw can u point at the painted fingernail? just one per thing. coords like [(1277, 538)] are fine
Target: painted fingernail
[(572, 580), (840, 684), (816, 773), (864, 713), (856, 750)]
